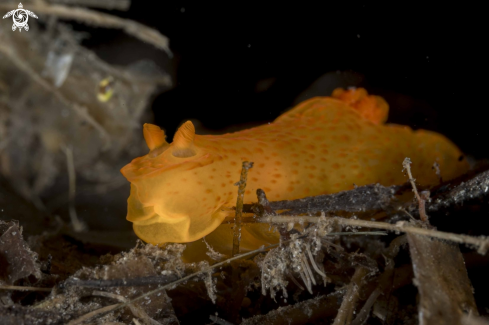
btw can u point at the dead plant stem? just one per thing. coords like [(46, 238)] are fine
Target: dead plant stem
[(482, 243), (239, 206)]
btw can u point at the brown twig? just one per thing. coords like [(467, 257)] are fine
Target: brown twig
[(374, 197), (406, 164), (94, 314), (239, 206), (135, 309), (268, 211), (77, 224), (345, 313), (122, 5), (20, 288), (95, 18), (482, 243), (134, 282)]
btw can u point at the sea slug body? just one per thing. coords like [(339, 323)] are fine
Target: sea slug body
[(323, 145)]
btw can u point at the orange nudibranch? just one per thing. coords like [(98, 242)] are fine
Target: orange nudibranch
[(323, 145)]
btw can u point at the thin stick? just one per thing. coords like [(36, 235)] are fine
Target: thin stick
[(78, 226), (421, 200), (96, 313), (122, 5), (20, 288), (350, 298), (239, 206), (482, 243), (407, 165), (135, 309), (91, 17)]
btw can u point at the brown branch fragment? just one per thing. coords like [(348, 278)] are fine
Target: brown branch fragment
[(133, 282), (345, 313), (20, 288), (482, 242), (308, 311), (373, 197), (135, 309), (122, 5), (268, 211), (239, 205), (77, 224), (94, 314), (476, 187), (406, 164), (96, 18)]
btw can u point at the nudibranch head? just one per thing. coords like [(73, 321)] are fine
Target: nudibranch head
[(163, 206)]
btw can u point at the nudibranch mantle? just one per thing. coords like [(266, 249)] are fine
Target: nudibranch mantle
[(179, 191)]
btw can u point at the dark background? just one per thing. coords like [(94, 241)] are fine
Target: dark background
[(235, 63)]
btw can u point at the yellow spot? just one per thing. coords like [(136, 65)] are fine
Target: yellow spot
[(105, 89)]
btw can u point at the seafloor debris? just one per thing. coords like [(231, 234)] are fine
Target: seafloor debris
[(48, 102), (16, 259)]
